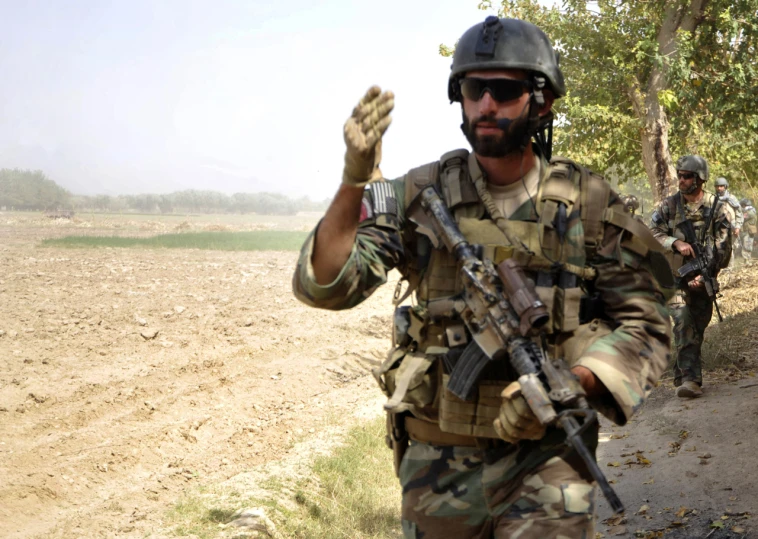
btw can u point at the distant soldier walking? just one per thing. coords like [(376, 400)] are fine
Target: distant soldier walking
[(749, 227), (692, 307), (732, 205)]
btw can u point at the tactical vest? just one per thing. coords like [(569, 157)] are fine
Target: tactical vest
[(569, 218), (677, 211)]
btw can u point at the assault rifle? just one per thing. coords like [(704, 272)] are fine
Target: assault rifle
[(503, 312), (704, 262)]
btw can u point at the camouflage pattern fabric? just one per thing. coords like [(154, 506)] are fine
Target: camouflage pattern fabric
[(543, 492), (378, 249), (732, 202), (692, 312), (536, 490), (691, 309), (666, 217), (629, 360), (747, 246), (733, 206), (749, 230)]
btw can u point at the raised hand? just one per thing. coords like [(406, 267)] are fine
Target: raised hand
[(363, 137)]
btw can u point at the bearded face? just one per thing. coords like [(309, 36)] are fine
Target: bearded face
[(514, 135), (688, 182)]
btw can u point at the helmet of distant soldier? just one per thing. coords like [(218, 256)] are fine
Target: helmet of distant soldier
[(745, 202), (505, 44), (721, 182), (631, 203), (693, 163)]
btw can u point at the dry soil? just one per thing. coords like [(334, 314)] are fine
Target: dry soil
[(129, 376)]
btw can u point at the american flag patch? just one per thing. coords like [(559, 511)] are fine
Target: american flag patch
[(384, 198)]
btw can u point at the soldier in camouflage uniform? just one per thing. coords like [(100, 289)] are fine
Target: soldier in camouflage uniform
[(749, 227), (487, 467), (732, 206), (691, 308)]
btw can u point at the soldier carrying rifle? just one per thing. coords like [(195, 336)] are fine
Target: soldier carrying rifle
[(474, 457), (695, 229)]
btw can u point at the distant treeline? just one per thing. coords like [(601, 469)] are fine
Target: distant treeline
[(32, 190)]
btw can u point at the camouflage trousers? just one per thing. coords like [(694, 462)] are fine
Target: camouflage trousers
[(747, 246), (692, 312), (515, 492), (736, 250)]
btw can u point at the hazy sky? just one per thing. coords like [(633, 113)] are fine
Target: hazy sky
[(155, 96)]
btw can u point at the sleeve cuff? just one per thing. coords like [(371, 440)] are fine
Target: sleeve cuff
[(308, 279), (624, 396), (669, 242)]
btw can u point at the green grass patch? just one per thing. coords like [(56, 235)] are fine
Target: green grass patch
[(262, 240), (355, 492), (351, 493)]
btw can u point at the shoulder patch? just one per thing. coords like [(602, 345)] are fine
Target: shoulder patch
[(383, 195)]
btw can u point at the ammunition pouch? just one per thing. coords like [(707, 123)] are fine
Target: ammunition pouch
[(471, 418), (409, 379), (562, 297)]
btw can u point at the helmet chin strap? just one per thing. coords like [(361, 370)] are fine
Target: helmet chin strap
[(692, 189), (539, 128), (504, 124)]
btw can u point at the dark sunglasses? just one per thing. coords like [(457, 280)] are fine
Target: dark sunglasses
[(501, 90), (685, 175)]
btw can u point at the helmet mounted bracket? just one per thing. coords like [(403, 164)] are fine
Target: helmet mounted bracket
[(543, 131), (491, 29)]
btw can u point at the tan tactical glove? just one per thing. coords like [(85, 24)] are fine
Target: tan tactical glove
[(516, 421), (363, 137)]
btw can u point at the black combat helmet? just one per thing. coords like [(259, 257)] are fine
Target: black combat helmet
[(505, 44), (745, 202), (693, 163), (631, 203), (512, 44), (722, 182)]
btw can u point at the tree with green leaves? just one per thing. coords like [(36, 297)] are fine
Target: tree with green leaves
[(31, 190), (649, 81)]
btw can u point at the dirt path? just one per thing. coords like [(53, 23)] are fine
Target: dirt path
[(681, 465), (103, 426)]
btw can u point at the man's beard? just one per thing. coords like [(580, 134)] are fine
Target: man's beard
[(514, 138), (689, 190)]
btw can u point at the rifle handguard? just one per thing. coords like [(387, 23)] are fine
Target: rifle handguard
[(533, 390), (523, 298)]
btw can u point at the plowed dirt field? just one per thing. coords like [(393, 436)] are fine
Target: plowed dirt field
[(128, 375)]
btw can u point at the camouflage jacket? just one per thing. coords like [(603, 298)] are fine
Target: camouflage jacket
[(733, 205), (667, 215), (629, 357)]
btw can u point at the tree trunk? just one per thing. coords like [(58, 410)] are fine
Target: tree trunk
[(655, 125), (655, 153)]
